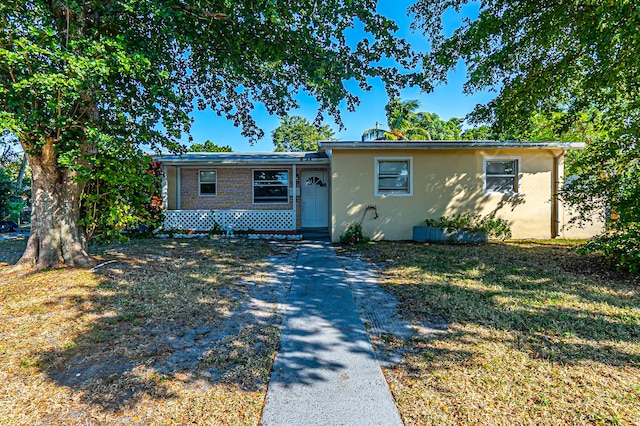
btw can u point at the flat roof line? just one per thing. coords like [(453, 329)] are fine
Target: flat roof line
[(324, 145)]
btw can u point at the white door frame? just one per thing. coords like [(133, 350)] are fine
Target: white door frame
[(315, 206)]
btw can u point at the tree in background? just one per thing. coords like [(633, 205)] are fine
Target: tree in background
[(13, 169), (438, 129), (479, 133), (297, 134), (565, 58), (402, 122), (6, 194), (405, 122), (81, 79), (12, 161), (208, 146)]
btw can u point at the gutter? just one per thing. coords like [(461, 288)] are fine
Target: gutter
[(177, 161), (447, 145)]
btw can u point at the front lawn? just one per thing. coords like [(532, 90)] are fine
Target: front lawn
[(166, 332), (535, 335)]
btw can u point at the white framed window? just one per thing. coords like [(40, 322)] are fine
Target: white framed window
[(393, 176), (270, 186), (501, 175), (207, 182)]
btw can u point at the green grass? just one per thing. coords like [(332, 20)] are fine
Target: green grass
[(537, 335)]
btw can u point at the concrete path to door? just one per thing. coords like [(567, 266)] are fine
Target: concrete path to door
[(325, 372)]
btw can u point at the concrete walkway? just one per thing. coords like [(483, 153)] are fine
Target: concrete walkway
[(325, 372)]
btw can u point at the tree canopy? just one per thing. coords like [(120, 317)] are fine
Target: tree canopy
[(208, 146), (574, 63), (82, 78), (401, 121), (406, 122), (297, 134)]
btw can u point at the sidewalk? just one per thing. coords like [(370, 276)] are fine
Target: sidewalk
[(325, 372)]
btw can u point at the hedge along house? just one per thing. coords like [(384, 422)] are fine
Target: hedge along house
[(387, 186), (264, 192), (390, 187)]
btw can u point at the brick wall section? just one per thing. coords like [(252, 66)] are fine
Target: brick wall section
[(234, 187), (235, 190)]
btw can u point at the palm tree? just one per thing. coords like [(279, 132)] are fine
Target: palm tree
[(403, 122)]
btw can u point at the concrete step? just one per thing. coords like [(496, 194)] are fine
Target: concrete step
[(315, 234)]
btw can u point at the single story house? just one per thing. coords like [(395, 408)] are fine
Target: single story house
[(388, 186)]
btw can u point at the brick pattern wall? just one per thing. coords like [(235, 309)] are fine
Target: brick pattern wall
[(234, 191)]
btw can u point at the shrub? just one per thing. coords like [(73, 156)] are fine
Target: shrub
[(494, 228), (353, 235), (6, 195), (123, 197), (621, 248)]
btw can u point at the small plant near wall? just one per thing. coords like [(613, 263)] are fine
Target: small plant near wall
[(353, 235), (217, 228), (473, 222), (466, 227)]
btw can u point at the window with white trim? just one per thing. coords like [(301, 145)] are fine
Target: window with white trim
[(270, 186), (501, 175), (393, 176), (208, 182)]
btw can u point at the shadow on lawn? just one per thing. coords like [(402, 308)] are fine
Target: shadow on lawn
[(560, 306), (172, 312)]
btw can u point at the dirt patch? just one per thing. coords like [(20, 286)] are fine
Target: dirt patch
[(169, 332)]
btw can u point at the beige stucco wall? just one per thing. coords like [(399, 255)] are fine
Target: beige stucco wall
[(580, 229), (445, 182)]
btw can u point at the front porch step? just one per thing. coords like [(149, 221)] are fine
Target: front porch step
[(315, 234)]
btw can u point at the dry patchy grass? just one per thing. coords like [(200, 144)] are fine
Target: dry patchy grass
[(536, 335), (168, 333)]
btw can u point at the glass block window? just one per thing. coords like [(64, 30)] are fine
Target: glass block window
[(207, 181), (501, 176), (270, 186)]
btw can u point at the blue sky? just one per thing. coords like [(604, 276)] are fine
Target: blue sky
[(446, 100)]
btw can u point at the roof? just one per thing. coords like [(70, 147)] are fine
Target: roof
[(243, 158), (357, 145)]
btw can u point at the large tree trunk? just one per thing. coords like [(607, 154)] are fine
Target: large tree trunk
[(56, 238)]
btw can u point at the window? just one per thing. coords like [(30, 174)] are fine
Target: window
[(207, 182), (501, 175), (393, 176), (270, 186)]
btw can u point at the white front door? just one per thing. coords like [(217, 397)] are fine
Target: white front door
[(314, 197)]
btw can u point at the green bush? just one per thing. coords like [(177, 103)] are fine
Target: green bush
[(14, 210), (6, 194), (123, 197), (621, 248), (494, 228), (353, 235)]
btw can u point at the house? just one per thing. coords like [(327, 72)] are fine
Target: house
[(388, 186)]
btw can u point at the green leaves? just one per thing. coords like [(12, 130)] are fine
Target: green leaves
[(91, 82), (208, 146), (123, 194), (296, 133), (562, 71), (405, 122)]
